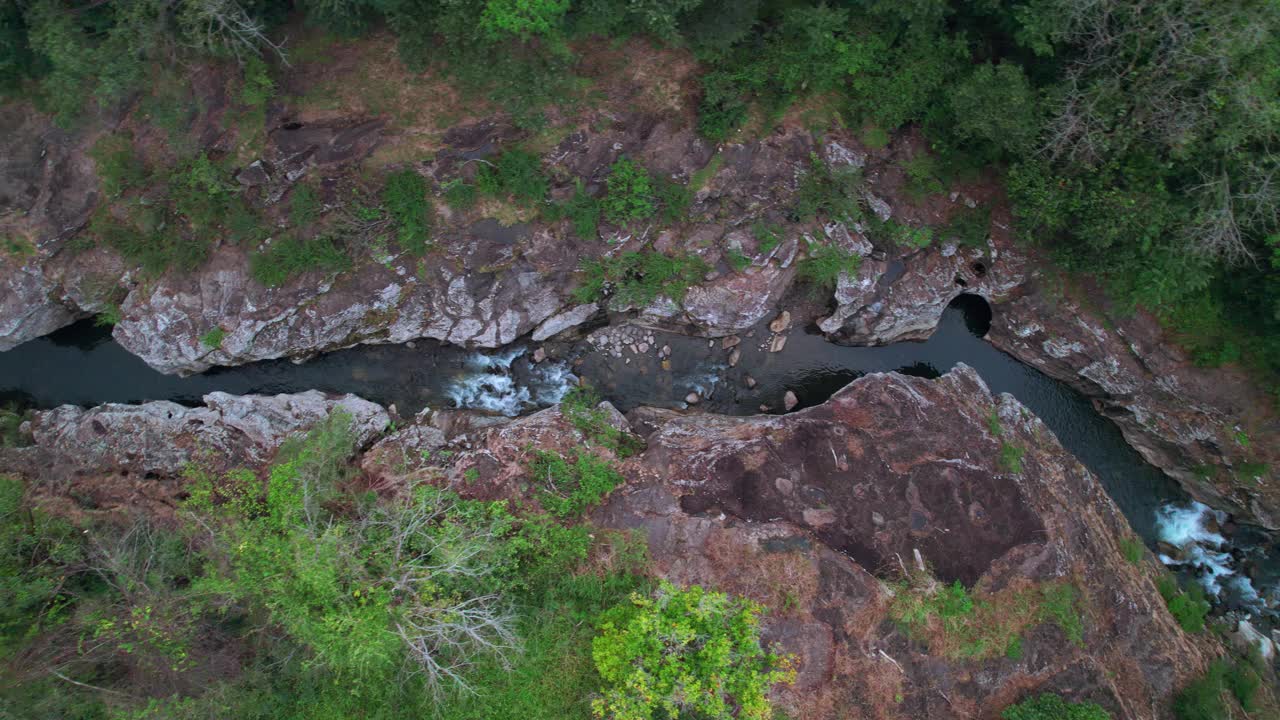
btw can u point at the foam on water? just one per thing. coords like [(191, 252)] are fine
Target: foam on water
[(490, 383), (1205, 552)]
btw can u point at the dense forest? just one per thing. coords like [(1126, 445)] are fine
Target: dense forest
[(1136, 142), (1138, 138)]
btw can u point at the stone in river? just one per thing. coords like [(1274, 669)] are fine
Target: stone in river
[(790, 401)]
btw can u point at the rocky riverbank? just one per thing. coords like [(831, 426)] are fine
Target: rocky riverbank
[(817, 514)]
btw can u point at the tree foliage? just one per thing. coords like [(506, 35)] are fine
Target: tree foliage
[(685, 652)]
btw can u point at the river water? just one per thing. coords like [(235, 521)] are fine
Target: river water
[(81, 365)]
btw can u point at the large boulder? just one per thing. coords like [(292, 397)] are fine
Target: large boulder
[(816, 512)]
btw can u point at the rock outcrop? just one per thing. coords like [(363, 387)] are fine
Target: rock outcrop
[(123, 455), (814, 510), (817, 513)]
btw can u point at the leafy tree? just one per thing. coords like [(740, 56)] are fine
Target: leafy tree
[(685, 652)]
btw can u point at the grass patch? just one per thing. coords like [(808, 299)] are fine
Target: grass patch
[(1011, 457), (17, 246), (907, 236), (825, 263), (405, 197), (213, 339), (582, 408), (119, 168), (582, 211), (11, 419), (639, 278), (701, 177), (969, 227), (460, 195), (924, 176), (1133, 549), (875, 138), (516, 174), (290, 256), (958, 624), (768, 236), (304, 205)]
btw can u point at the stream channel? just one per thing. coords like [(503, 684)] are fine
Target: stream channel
[(1239, 569)]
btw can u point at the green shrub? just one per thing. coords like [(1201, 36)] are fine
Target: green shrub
[(1188, 607), (570, 487), (737, 259), (289, 256), (767, 235), (11, 419), (630, 197), (685, 652), (924, 177), (908, 236), (581, 406), (1048, 706), (405, 197), (639, 278), (519, 174), (1203, 699)]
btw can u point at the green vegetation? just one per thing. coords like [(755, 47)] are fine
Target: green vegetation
[(1138, 146), (582, 408), (631, 196), (639, 278), (11, 419), (1011, 457), (1203, 699), (1133, 549), (1052, 707), (295, 595), (767, 236), (581, 209), (1188, 607), (685, 653), (568, 487), (213, 339), (517, 174), (829, 193), (825, 263), (290, 256), (119, 168), (405, 198), (304, 205), (960, 625)]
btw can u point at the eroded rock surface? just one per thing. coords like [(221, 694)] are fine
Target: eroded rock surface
[(136, 454), (815, 509)]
